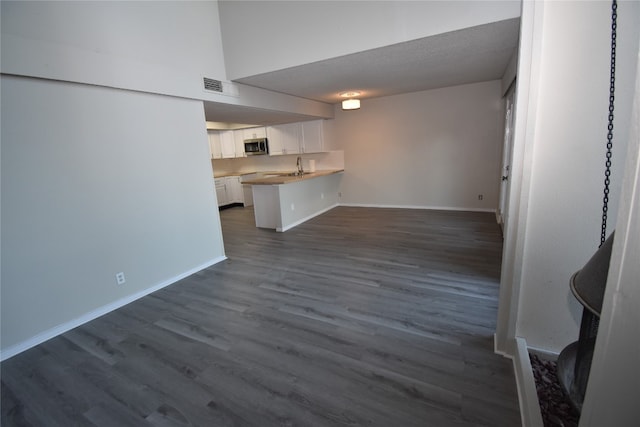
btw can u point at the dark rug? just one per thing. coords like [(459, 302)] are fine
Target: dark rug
[(554, 405)]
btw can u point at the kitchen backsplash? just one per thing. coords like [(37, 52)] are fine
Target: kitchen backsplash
[(324, 161)]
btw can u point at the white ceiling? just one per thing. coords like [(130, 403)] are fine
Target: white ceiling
[(465, 56)]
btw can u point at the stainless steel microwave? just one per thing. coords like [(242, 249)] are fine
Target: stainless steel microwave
[(256, 146)]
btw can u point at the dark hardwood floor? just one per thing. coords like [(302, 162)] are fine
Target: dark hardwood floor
[(359, 317)]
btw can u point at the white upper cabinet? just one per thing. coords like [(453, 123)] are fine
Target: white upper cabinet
[(290, 138), (284, 139), (228, 144), (214, 145), (274, 135), (238, 136), (312, 136), (252, 133)]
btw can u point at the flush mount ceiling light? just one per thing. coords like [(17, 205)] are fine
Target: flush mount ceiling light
[(350, 104)]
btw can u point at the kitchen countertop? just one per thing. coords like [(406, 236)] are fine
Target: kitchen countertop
[(224, 174), (284, 178)]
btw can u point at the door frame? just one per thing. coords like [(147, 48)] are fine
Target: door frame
[(503, 205)]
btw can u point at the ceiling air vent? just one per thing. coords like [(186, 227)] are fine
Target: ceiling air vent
[(212, 85), (220, 87)]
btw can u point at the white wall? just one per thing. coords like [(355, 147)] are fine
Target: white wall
[(567, 160), (164, 47), (614, 384), (510, 73), (303, 200), (124, 185), (325, 29), (154, 46), (433, 149), (97, 180)]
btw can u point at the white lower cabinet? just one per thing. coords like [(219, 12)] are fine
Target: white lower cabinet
[(234, 190), (221, 191), (229, 190), (246, 188)]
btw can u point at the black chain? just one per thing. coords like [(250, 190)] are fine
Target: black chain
[(612, 88)]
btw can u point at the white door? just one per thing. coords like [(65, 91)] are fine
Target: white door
[(503, 214)]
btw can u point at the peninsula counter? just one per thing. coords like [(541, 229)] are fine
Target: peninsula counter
[(283, 201)]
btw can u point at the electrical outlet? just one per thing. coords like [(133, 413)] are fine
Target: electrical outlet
[(120, 280), (293, 207), (339, 194), (322, 195), (480, 197)]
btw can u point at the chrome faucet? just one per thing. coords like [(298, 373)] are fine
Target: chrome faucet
[(299, 165)]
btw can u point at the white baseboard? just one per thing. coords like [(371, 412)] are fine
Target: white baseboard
[(305, 219), (434, 208), (527, 394), (94, 314), (500, 352)]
